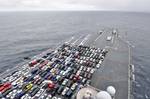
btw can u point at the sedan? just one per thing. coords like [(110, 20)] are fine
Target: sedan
[(65, 91)]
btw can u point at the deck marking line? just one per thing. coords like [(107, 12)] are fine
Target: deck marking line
[(97, 38), (77, 40), (70, 39), (83, 41)]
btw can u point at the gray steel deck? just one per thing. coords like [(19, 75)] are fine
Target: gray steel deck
[(114, 71)]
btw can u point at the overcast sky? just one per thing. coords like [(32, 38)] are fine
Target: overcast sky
[(123, 5)]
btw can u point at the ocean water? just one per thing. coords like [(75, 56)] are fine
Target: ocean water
[(29, 33)]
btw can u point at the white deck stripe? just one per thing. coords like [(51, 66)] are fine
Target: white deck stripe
[(77, 40), (86, 38), (70, 40), (97, 38)]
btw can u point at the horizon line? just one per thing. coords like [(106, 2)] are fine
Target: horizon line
[(93, 10)]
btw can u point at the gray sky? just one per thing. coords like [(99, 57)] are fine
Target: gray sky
[(123, 5)]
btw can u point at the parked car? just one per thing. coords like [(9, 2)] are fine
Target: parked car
[(49, 96), (65, 82), (92, 71), (19, 95), (61, 88), (26, 96), (34, 91), (32, 63), (4, 87), (73, 87), (6, 92), (65, 91), (69, 83), (27, 87), (40, 92), (69, 93)]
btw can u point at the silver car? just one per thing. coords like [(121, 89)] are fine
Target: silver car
[(65, 91)]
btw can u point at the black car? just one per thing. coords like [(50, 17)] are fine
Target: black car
[(36, 71), (34, 91), (68, 75), (61, 88), (60, 79), (74, 71), (69, 83)]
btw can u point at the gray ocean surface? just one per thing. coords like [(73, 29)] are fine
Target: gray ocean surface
[(25, 34)]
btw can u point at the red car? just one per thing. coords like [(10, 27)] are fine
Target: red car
[(51, 85), (43, 64), (5, 86), (32, 63), (76, 78)]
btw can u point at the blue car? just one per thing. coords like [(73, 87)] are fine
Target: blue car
[(48, 69), (19, 95), (34, 71), (28, 79), (69, 93), (53, 78), (47, 75)]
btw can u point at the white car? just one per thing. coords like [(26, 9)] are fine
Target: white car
[(12, 94), (114, 32), (92, 71), (65, 82), (64, 73), (88, 69), (85, 68), (54, 97), (43, 96), (73, 87), (81, 68), (49, 96), (100, 62), (81, 61), (61, 72), (68, 69), (40, 92), (26, 96), (78, 72), (91, 59), (98, 66), (109, 38), (84, 58), (65, 91), (58, 76)]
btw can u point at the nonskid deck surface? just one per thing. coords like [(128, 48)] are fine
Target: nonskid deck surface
[(114, 71), (57, 68)]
